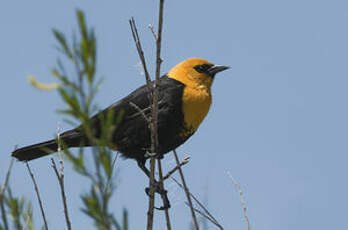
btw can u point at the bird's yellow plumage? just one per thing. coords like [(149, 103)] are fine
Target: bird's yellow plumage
[(195, 106), (196, 98)]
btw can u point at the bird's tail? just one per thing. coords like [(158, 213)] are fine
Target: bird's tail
[(71, 138)]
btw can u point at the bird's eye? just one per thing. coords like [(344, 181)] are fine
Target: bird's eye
[(202, 68)]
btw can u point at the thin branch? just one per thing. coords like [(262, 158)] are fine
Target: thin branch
[(158, 72), (38, 195), (186, 191), (60, 177), (140, 51), (152, 125), (3, 214), (153, 31), (152, 161), (207, 217), (154, 120), (2, 192), (183, 162), (241, 198), (7, 178), (153, 99), (198, 202), (164, 198), (148, 120)]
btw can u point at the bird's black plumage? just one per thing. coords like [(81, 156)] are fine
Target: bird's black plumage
[(132, 134)]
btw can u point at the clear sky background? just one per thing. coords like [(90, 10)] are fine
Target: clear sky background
[(278, 121)]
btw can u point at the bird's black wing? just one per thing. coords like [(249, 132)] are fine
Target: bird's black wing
[(132, 134)]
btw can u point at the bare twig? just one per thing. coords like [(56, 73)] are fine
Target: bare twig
[(164, 198), (154, 128), (183, 162), (38, 195), (152, 125), (140, 51), (186, 191), (153, 98), (60, 177), (241, 198), (151, 195), (207, 217), (153, 31), (158, 72), (2, 192), (148, 120), (198, 202)]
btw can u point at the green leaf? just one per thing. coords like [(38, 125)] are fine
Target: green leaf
[(62, 41), (82, 24), (28, 217)]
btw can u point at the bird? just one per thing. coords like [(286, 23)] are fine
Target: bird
[(184, 99)]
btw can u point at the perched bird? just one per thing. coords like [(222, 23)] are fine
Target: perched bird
[(184, 101)]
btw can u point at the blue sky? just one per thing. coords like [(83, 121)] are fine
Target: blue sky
[(278, 121)]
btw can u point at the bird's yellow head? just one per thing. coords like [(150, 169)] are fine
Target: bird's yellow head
[(196, 72)]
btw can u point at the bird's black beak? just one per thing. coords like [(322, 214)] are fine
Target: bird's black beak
[(216, 69)]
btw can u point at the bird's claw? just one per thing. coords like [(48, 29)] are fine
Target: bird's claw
[(163, 193)]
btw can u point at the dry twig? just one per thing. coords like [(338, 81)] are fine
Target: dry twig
[(38, 195), (153, 31), (140, 52), (164, 197), (207, 213), (207, 217), (141, 112), (186, 191), (60, 177), (153, 96), (241, 198), (151, 125), (154, 128), (183, 162)]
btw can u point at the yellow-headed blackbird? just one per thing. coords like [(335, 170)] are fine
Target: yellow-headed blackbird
[(184, 101)]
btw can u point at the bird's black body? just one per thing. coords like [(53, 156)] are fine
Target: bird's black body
[(132, 134)]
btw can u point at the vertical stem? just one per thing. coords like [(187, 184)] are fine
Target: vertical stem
[(187, 192), (60, 177), (3, 213), (2, 192), (151, 195), (166, 211), (154, 130), (38, 195)]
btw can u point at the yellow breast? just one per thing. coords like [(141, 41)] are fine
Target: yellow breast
[(196, 104)]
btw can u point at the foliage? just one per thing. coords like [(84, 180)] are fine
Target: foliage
[(78, 94), (16, 212)]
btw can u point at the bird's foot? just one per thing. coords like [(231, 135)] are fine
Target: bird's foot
[(163, 193)]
